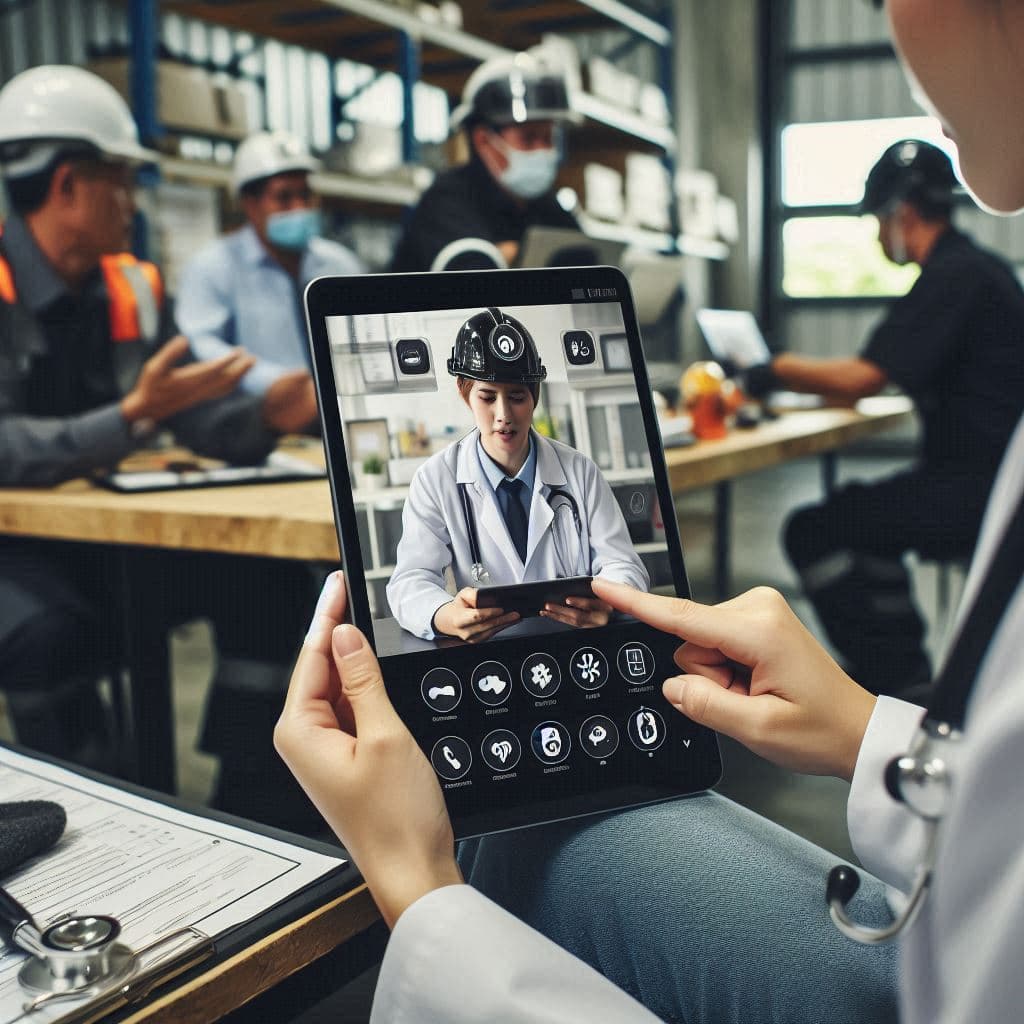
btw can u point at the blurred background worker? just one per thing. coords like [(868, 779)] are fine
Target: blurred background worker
[(246, 288), (89, 369), (955, 344), (513, 111)]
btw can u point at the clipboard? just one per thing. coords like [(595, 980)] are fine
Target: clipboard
[(326, 874)]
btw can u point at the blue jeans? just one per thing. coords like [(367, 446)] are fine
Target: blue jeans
[(700, 909)]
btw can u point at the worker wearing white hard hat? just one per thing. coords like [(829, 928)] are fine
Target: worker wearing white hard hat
[(92, 368), (474, 216), (246, 287)]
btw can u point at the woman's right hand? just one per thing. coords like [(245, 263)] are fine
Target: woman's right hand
[(460, 617), (754, 672)]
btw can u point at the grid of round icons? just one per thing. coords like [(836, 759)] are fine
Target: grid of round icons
[(501, 750), (541, 675), (646, 729), (599, 737), (441, 690), (451, 757), (491, 683), (636, 663), (589, 668), (551, 742)]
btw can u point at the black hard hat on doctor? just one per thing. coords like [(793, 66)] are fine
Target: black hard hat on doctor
[(912, 171), (493, 346)]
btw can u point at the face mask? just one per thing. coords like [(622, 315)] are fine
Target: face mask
[(530, 172), (292, 229)]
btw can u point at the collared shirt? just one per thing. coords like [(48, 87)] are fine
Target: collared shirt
[(494, 475), (235, 293)]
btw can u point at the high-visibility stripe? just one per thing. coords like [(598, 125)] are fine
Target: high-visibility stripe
[(123, 297), (7, 290)]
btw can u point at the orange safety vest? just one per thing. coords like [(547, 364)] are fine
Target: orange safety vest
[(125, 278)]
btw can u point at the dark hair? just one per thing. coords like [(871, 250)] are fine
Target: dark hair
[(27, 194), (929, 208), (465, 385), (254, 189)]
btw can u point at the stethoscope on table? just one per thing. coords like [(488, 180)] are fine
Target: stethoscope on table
[(76, 956), (478, 570), (922, 778)]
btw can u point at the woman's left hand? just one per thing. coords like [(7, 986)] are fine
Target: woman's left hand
[(581, 612), (353, 755)]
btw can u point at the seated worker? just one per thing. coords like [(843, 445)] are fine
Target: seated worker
[(504, 504), (89, 370), (246, 288), (474, 216), (955, 344)]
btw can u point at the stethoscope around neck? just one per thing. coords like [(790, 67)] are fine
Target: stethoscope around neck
[(922, 778), (477, 569), (76, 956)]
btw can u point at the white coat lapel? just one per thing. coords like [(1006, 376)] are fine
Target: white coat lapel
[(549, 473), (491, 528)]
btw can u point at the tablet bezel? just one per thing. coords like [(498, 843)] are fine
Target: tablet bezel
[(398, 293)]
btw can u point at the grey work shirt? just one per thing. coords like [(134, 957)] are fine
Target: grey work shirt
[(62, 378)]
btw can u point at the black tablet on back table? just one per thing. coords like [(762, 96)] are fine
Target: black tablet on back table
[(433, 389)]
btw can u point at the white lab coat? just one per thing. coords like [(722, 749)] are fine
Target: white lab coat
[(435, 537), (961, 960)]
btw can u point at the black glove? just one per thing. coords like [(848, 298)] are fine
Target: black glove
[(757, 381)]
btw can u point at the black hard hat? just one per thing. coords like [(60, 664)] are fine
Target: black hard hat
[(493, 346), (511, 90), (910, 170)]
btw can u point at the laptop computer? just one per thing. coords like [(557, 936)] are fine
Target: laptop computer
[(734, 335)]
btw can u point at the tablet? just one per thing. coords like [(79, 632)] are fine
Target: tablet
[(177, 474), (528, 599), (507, 455)]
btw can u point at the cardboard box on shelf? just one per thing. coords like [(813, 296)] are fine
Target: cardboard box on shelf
[(188, 99), (698, 202), (607, 82), (373, 150), (648, 192)]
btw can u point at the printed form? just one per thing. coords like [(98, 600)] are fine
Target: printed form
[(153, 867)]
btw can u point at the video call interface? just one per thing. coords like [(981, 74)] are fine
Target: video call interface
[(428, 447)]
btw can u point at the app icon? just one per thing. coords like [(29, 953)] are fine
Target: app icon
[(501, 750), (646, 729), (492, 682), (589, 668), (413, 356), (441, 690), (550, 742), (541, 675), (579, 348), (451, 758), (599, 737), (636, 663)]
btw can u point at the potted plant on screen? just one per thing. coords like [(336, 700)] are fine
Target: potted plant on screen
[(372, 475)]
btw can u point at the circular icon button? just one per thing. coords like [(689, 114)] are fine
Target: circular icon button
[(646, 729), (541, 675), (599, 737), (441, 690), (501, 750), (636, 663), (589, 668), (551, 742), (451, 757), (492, 683)]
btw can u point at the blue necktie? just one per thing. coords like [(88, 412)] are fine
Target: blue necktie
[(515, 515)]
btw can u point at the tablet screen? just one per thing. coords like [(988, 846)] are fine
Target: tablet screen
[(487, 459)]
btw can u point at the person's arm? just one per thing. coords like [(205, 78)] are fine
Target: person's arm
[(841, 379), (454, 955), (205, 312)]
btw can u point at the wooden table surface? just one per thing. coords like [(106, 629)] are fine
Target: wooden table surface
[(295, 520)]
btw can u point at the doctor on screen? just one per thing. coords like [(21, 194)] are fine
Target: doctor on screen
[(504, 505)]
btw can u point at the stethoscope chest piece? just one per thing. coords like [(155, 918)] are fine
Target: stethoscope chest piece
[(80, 952)]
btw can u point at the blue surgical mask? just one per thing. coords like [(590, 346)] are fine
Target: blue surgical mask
[(530, 172), (292, 229)]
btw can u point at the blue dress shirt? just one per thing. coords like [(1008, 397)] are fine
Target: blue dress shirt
[(234, 292)]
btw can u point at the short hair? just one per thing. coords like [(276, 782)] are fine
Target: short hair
[(27, 193)]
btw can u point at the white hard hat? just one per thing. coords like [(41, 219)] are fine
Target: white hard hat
[(513, 88), (268, 153), (46, 108)]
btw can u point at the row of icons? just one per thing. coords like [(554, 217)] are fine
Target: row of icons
[(541, 676), (550, 742)]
